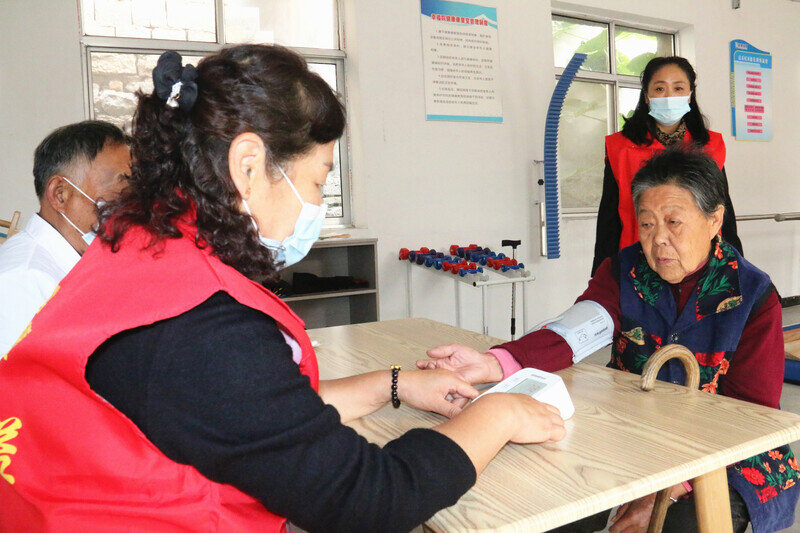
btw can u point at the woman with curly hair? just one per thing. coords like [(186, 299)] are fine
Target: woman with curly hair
[(161, 389)]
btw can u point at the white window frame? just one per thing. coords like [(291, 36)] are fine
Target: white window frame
[(92, 43), (616, 81)]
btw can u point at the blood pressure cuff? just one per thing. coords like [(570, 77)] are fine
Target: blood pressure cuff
[(586, 326)]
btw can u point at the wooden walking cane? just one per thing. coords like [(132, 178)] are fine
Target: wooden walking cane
[(649, 373)]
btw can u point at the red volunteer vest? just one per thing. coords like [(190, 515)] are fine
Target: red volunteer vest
[(69, 461), (626, 158)]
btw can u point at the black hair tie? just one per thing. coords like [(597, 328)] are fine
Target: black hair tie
[(174, 82)]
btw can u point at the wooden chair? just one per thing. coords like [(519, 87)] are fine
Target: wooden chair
[(9, 227)]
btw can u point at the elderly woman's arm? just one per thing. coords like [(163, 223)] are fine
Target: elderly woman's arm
[(540, 349), (549, 351), (756, 369)]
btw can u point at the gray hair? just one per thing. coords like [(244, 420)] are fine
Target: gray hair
[(688, 169)]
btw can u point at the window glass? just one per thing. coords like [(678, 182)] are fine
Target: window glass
[(116, 76), (179, 20), (628, 98), (575, 35), (332, 191), (636, 47), (276, 21), (120, 67), (581, 143)]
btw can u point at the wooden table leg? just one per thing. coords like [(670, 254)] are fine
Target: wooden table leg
[(712, 502)]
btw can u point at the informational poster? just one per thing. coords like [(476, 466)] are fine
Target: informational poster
[(462, 62), (751, 92)]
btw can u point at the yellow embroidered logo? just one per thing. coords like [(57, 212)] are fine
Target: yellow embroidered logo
[(8, 431)]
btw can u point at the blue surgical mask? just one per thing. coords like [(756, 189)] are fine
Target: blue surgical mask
[(668, 110), (306, 231), (88, 236)]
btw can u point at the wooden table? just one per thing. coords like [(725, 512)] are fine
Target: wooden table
[(622, 443)]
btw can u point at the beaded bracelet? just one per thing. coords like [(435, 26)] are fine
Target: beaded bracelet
[(395, 399)]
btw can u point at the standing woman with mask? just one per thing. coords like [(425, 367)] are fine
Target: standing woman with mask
[(161, 389), (667, 114)]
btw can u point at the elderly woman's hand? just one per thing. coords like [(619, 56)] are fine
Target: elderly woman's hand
[(440, 391), (633, 517), (469, 363)]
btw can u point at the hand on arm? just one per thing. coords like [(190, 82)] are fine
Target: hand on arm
[(472, 365), (442, 392)]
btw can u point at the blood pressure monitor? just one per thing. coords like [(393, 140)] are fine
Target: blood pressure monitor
[(540, 385)]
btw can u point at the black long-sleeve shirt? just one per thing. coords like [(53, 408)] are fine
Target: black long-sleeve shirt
[(216, 388), (609, 223)]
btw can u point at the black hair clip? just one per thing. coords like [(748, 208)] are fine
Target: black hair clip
[(174, 82)]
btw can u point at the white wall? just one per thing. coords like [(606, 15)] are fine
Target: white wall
[(40, 89), (421, 183), (428, 183)]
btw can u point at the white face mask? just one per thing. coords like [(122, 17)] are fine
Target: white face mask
[(668, 110), (306, 230), (89, 236)]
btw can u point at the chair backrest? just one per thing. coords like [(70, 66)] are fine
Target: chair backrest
[(9, 227)]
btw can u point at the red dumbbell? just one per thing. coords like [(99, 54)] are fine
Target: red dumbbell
[(453, 248), (403, 254)]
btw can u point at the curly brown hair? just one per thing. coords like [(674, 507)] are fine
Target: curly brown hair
[(180, 159)]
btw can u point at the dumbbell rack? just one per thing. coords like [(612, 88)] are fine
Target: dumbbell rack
[(483, 280)]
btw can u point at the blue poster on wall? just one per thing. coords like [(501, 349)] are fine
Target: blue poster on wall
[(461, 61), (751, 92)]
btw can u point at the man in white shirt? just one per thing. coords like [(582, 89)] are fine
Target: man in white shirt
[(74, 168)]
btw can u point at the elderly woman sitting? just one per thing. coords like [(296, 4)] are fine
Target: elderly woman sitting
[(681, 283)]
